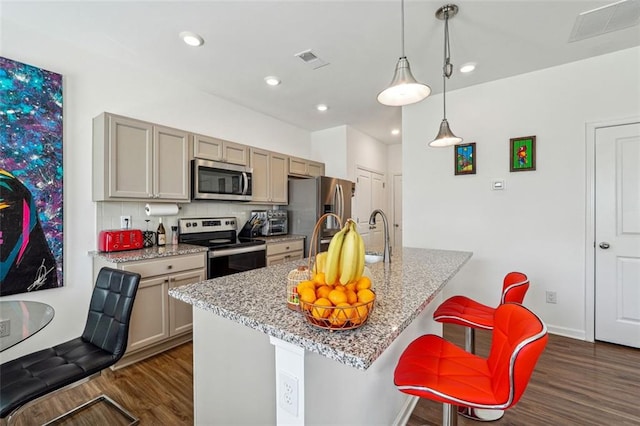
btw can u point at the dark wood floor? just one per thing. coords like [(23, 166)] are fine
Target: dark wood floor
[(575, 383)]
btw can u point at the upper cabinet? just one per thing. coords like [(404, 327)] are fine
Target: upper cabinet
[(220, 150), (136, 160), (305, 168), (269, 180)]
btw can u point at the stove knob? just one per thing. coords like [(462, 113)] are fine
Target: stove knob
[(194, 224), (188, 225)]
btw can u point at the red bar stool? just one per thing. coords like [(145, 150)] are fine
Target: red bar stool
[(433, 368), (470, 314)]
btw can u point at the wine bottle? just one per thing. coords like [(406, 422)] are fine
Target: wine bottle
[(161, 235)]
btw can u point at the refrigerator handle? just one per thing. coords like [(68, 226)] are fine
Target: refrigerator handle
[(341, 203)]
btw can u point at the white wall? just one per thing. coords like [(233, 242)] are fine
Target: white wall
[(537, 224), (92, 85), (330, 147)]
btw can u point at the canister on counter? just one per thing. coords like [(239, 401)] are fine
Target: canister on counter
[(301, 273)]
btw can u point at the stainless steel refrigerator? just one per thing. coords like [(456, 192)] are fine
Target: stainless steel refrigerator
[(309, 199)]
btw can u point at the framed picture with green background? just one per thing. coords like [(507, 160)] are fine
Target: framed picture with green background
[(522, 154)]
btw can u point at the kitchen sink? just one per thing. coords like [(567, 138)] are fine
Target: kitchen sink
[(370, 258)]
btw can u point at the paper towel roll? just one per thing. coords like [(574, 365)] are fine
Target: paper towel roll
[(161, 209)]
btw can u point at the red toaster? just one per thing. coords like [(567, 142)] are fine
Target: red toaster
[(120, 239)]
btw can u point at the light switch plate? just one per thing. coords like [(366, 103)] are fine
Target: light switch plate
[(497, 184)]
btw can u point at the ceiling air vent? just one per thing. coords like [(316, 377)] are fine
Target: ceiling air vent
[(605, 19), (311, 59)]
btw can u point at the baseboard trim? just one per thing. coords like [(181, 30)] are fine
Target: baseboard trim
[(132, 358), (407, 409), (567, 332)]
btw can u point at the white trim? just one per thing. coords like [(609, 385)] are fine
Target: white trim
[(590, 224), (407, 409)]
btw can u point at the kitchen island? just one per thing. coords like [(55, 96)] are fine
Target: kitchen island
[(258, 362)]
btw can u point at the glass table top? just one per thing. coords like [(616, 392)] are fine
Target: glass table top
[(21, 319)]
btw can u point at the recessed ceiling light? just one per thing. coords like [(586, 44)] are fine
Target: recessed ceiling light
[(192, 39), (322, 107), (395, 132), (272, 80), (468, 67)]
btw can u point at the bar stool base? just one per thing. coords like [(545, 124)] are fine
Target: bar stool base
[(480, 414)]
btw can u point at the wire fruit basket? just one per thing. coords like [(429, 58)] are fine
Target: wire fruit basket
[(325, 314), (333, 318)]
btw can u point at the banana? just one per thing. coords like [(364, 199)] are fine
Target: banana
[(360, 255), (348, 256), (319, 265), (332, 264)]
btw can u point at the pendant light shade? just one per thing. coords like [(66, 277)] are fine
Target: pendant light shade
[(404, 89), (445, 136)]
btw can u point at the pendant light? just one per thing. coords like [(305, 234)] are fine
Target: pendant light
[(445, 135), (404, 89)]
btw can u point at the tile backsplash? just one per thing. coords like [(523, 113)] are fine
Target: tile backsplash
[(109, 213)]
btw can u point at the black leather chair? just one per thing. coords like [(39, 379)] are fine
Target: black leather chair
[(102, 344)]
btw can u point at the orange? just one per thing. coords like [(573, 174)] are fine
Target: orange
[(363, 283), (365, 295), (307, 295), (352, 297), (306, 284), (339, 287), (340, 316), (321, 313), (319, 278), (351, 286), (337, 296), (360, 313), (323, 291)]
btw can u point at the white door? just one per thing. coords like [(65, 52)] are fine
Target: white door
[(397, 212), (369, 196), (617, 233), (376, 235), (362, 203)]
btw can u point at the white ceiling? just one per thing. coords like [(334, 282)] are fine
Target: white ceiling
[(246, 41)]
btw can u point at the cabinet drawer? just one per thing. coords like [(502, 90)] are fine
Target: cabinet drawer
[(149, 268), (284, 247)]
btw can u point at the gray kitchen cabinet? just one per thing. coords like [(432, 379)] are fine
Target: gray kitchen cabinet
[(284, 251), (305, 168), (136, 160), (216, 149), (269, 180), (158, 321)]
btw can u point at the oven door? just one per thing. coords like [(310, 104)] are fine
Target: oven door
[(233, 260)]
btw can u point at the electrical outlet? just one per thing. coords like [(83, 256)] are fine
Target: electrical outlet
[(125, 222), (552, 297), (288, 393), (5, 327)]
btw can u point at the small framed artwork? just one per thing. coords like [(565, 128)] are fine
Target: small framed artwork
[(522, 154), (464, 157)]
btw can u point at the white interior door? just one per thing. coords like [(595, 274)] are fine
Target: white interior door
[(370, 195), (397, 211), (376, 238), (617, 243), (362, 201)]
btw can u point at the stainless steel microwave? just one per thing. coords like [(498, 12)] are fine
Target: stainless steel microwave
[(214, 180)]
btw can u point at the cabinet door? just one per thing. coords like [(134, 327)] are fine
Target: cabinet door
[(171, 163), (279, 184), (235, 153), (129, 158), (207, 148), (150, 315), (315, 169), (260, 180), (298, 166), (180, 313)]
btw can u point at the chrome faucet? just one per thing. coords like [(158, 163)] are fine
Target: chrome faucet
[(386, 256)]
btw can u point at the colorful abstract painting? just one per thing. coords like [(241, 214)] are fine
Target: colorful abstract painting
[(31, 240), (464, 160)]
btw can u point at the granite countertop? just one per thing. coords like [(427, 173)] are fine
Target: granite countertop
[(257, 299), (280, 238), (154, 252)]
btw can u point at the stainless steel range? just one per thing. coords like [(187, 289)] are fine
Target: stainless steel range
[(227, 255)]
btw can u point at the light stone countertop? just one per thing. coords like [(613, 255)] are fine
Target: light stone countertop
[(280, 238), (154, 252), (403, 289)]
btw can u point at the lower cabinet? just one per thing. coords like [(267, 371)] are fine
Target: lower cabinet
[(285, 251), (159, 321)]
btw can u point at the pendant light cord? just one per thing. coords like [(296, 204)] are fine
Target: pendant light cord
[(447, 68), (402, 25)]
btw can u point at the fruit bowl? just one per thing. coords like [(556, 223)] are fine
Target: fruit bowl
[(341, 317)]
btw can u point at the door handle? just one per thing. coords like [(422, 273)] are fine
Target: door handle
[(604, 246), (396, 225)]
